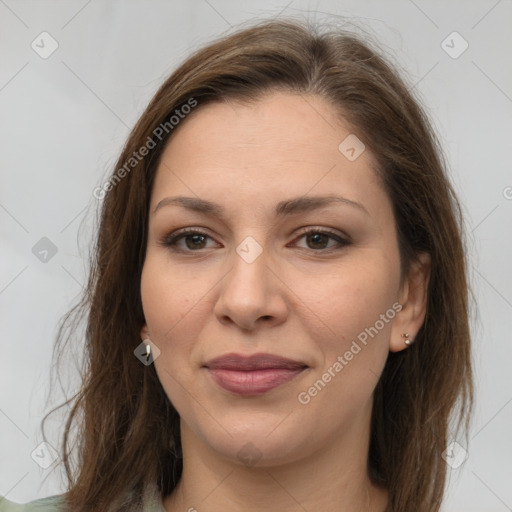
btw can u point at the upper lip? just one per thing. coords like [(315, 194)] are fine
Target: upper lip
[(253, 362)]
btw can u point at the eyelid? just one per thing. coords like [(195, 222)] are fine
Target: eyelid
[(324, 230), (179, 234), (170, 240), (341, 240)]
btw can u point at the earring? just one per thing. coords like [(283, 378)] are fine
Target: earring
[(148, 349), (407, 341)]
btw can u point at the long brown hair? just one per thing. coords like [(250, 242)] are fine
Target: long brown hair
[(127, 431)]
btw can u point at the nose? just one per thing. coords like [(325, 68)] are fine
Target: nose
[(251, 294)]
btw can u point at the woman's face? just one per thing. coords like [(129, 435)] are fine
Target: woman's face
[(309, 286)]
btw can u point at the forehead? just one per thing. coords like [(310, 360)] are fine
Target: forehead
[(278, 120), (280, 144)]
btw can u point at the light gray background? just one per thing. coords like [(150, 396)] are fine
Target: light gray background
[(63, 121)]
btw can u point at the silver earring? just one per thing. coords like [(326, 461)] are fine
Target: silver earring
[(148, 349), (407, 341)]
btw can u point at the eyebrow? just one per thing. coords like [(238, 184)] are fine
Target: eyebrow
[(288, 207)]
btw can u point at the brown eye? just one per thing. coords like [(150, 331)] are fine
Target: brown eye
[(194, 241), (319, 240)]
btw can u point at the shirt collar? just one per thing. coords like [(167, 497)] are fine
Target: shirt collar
[(152, 499)]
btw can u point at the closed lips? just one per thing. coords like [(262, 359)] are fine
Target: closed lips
[(252, 375), (237, 362)]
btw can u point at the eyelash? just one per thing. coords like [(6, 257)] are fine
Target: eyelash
[(172, 239)]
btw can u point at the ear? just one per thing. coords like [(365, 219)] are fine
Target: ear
[(144, 332), (413, 299)]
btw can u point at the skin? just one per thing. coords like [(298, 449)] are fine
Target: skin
[(301, 298)]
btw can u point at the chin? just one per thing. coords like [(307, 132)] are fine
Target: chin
[(259, 452), (257, 442)]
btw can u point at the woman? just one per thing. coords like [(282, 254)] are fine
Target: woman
[(277, 308)]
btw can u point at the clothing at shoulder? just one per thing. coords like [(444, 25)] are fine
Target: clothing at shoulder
[(151, 503), (50, 504)]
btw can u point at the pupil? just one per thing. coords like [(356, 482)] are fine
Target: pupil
[(196, 241), (317, 238)]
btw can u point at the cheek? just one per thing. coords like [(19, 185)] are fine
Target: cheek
[(351, 300), (173, 305), (355, 314), (170, 299)]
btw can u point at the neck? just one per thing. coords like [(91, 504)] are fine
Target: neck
[(334, 479)]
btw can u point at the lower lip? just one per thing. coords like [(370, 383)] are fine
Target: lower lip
[(255, 382)]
